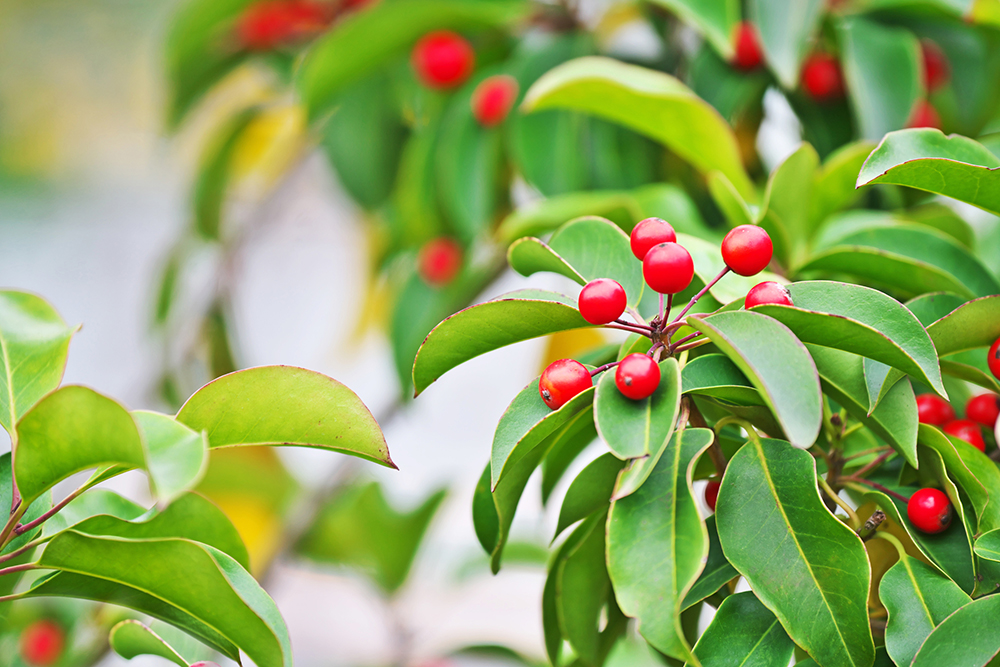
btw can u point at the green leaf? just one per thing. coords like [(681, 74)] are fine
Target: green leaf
[(649, 102), (805, 565), (884, 72), (716, 376), (834, 185), (228, 608), (359, 528), (744, 632), (917, 598), (879, 378), (176, 456), (894, 419), (92, 503), (776, 363), (348, 53), (861, 320), (974, 325), (967, 637), (589, 492), (972, 470), (926, 159), (786, 29), (785, 214), (548, 214), (37, 509), (988, 545), (718, 571), (71, 430), (729, 201), (479, 329), (715, 19), (212, 182), (657, 544), (638, 428), (584, 249), (567, 445), (930, 308), (34, 342), (284, 405), (130, 639)]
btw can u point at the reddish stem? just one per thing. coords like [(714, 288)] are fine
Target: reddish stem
[(601, 369), (876, 485), (700, 294)]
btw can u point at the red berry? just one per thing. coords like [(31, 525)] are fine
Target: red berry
[(768, 293), (440, 261), (205, 663), (984, 409), (493, 99), (929, 510), (650, 232), (963, 429), (933, 410), (637, 376), (602, 301), (822, 77), (668, 268), (993, 359), (937, 71), (562, 380), (712, 494), (42, 643), (443, 59), (748, 54), (266, 25), (747, 250), (924, 115)]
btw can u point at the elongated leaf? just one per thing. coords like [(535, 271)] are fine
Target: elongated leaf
[(92, 503), (806, 566), (785, 214), (131, 639), (879, 378), (717, 570), (926, 159), (649, 102), (638, 428), (176, 455), (716, 19), (729, 201), (35, 510), (834, 187), (918, 598), (589, 492), (861, 320), (657, 544), (488, 326), (786, 30), (567, 445), (34, 342), (930, 308), (776, 363), (284, 405), (348, 53), (744, 632), (715, 375), (967, 638), (530, 255), (548, 214), (988, 545), (212, 184), (976, 324), (970, 469)]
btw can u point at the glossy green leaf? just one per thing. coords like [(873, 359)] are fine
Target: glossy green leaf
[(931, 307), (716, 376), (548, 214), (786, 29), (359, 528), (744, 632), (649, 102), (926, 159), (212, 184), (785, 214), (971, 469), (729, 201), (70, 430), (937, 215), (805, 565), (284, 405), (975, 324), (632, 428), (718, 571), (967, 638), (879, 378), (971, 374), (34, 341), (715, 19), (589, 492), (130, 639), (894, 419), (567, 445), (834, 185), (883, 70), (657, 544), (35, 510), (988, 545), (176, 456), (861, 320), (348, 53), (530, 255), (92, 503), (479, 329), (776, 363)]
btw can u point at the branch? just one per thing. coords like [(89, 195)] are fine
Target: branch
[(700, 294)]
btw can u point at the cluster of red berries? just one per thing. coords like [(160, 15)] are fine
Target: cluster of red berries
[(980, 411), (42, 643), (667, 268), (273, 23)]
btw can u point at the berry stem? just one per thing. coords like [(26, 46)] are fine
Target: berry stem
[(645, 327), (700, 294), (662, 318), (631, 328), (874, 464), (832, 495), (24, 528), (686, 339), (656, 346), (27, 547), (690, 346), (876, 485), (601, 369), (18, 568)]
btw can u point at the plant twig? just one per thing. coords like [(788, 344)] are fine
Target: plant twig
[(855, 520), (14, 569), (875, 485), (686, 339), (21, 529), (630, 328), (871, 525), (601, 369), (702, 293), (634, 324), (874, 464), (27, 547), (691, 346), (873, 450)]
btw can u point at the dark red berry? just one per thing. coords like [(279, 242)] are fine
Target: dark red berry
[(929, 510), (768, 293), (602, 301), (822, 77), (440, 261), (748, 53), (650, 232), (42, 643), (668, 268), (712, 494), (963, 429), (934, 410), (443, 59), (937, 71), (984, 409), (924, 115), (562, 380), (637, 376), (747, 250), (493, 99), (993, 359), (267, 25)]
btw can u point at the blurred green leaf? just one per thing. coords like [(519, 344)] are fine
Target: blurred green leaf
[(834, 185), (786, 30), (634, 429), (975, 324), (546, 215), (744, 629), (715, 19), (785, 214), (35, 510), (176, 456), (212, 182), (130, 639)]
